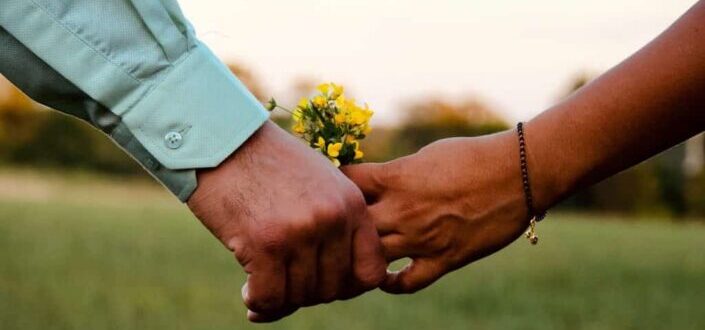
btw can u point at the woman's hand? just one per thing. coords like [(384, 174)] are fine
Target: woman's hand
[(453, 202)]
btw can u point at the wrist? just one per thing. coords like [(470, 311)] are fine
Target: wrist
[(506, 177), (552, 171)]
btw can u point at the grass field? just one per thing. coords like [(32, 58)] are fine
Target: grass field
[(72, 260)]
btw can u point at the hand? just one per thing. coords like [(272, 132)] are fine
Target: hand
[(296, 224), (453, 202)]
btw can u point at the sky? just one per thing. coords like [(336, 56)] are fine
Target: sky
[(517, 56)]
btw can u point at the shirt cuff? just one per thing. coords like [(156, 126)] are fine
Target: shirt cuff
[(196, 115)]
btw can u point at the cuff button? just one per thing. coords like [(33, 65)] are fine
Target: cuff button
[(173, 140)]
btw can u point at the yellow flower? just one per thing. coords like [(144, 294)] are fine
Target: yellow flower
[(334, 149), (324, 88), (358, 117), (367, 130), (350, 139), (321, 143), (303, 103), (299, 128), (340, 118), (337, 91), (342, 103), (297, 115), (320, 101), (335, 162), (359, 154)]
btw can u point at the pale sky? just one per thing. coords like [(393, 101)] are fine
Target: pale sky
[(517, 55)]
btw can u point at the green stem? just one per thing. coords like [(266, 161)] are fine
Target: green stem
[(285, 109)]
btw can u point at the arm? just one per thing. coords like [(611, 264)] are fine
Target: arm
[(461, 199), (135, 70), (649, 103)]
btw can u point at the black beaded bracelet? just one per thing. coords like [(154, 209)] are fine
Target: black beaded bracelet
[(534, 216)]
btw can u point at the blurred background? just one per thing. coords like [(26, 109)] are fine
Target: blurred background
[(88, 240)]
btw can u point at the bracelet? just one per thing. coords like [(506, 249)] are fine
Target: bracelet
[(535, 217)]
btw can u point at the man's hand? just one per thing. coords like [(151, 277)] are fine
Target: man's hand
[(453, 202), (297, 225)]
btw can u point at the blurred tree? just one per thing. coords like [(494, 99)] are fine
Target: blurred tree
[(61, 141), (432, 119), (695, 196), (17, 114), (636, 190), (379, 146), (32, 135), (12, 99), (694, 168), (655, 186)]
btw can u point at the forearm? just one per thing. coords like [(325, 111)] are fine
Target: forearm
[(650, 102), (162, 96)]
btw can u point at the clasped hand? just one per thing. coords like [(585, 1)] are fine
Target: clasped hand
[(305, 236)]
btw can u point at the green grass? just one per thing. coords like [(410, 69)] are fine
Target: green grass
[(64, 265)]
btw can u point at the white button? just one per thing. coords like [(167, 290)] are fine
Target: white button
[(173, 140)]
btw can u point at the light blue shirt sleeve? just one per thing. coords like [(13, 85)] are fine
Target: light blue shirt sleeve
[(170, 102)]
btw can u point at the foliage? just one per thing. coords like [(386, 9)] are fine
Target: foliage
[(657, 185), (695, 196), (432, 119), (42, 138), (33, 136)]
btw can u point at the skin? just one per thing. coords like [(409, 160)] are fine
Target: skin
[(295, 223), (461, 199)]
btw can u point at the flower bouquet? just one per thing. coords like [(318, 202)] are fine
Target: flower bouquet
[(331, 123)]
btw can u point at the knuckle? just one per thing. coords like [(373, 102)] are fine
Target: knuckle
[(355, 202), (243, 256), (332, 208), (331, 217), (302, 228), (272, 242), (438, 242)]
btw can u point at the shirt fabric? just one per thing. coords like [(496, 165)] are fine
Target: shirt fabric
[(135, 70)]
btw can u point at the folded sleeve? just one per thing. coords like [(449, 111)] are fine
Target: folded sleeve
[(135, 70)]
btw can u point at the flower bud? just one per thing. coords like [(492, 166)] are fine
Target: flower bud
[(271, 105)]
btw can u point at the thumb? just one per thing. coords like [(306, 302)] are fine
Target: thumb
[(419, 274), (367, 177)]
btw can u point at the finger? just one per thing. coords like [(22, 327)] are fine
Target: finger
[(394, 248), (369, 264), (367, 178), (383, 218), (418, 275), (301, 283), (265, 291), (333, 267), (267, 318)]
